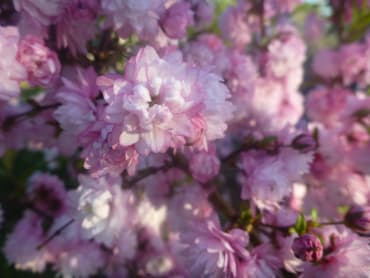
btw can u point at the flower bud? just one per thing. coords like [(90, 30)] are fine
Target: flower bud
[(304, 143), (42, 64), (308, 248), (177, 19), (358, 219)]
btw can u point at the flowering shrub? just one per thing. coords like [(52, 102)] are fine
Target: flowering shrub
[(185, 138)]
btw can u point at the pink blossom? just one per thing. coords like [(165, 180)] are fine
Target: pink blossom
[(42, 64), (269, 178), (347, 256), (163, 102), (190, 205), (103, 209), (207, 52), (352, 62), (74, 256), (285, 57), (204, 12), (177, 19), (11, 71), (76, 26), (210, 252), (44, 11), (133, 16), (326, 64), (204, 166), (158, 186), (47, 194), (21, 245), (80, 260), (263, 262), (151, 217), (263, 97), (235, 24), (77, 110), (326, 104), (100, 155)]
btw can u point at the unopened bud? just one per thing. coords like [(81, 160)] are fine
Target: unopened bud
[(177, 19), (308, 248), (304, 143), (358, 219)]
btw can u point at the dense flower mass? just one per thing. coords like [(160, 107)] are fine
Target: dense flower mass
[(185, 138), (163, 103)]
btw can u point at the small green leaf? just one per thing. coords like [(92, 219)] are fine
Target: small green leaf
[(30, 92), (361, 113), (300, 225), (314, 215), (343, 209)]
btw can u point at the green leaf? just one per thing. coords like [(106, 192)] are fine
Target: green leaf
[(360, 23), (267, 142), (314, 215), (30, 92), (343, 209), (300, 225)]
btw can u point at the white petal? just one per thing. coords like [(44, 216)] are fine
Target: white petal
[(127, 139)]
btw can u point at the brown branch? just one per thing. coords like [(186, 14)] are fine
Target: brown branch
[(11, 120), (55, 234)]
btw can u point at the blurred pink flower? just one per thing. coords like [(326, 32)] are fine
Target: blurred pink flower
[(42, 64), (11, 71)]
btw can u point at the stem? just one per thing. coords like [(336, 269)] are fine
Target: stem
[(221, 205), (234, 154), (129, 183), (8, 122), (275, 227), (332, 223), (55, 234), (262, 18)]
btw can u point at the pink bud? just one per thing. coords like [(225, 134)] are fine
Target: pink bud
[(358, 218), (308, 248), (42, 64), (177, 19)]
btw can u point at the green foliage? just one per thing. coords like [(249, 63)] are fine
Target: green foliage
[(300, 226), (314, 215), (29, 92), (360, 23), (221, 5)]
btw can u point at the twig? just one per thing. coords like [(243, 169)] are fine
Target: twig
[(332, 223), (262, 18), (55, 234), (8, 122), (221, 205), (129, 183)]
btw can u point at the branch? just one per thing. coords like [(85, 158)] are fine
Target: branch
[(11, 120), (55, 234)]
